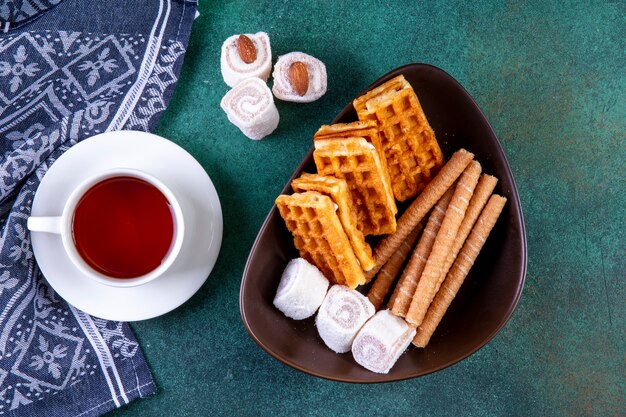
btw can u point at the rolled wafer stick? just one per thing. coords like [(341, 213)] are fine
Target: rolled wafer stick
[(420, 207), (413, 271), (459, 270), (484, 188), (379, 289), (425, 291)]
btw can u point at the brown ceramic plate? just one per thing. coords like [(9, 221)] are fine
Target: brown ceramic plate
[(486, 299)]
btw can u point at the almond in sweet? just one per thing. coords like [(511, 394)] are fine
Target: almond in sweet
[(299, 78), (246, 49)]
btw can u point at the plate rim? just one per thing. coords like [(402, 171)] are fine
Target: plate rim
[(385, 378)]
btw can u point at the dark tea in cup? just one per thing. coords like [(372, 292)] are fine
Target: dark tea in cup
[(123, 227)]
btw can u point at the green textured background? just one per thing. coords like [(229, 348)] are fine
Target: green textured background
[(551, 79)]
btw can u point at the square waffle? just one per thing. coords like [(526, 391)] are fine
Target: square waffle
[(411, 150), (356, 161), (337, 190), (366, 129), (318, 235)]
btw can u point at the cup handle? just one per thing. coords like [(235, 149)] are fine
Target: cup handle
[(44, 224)]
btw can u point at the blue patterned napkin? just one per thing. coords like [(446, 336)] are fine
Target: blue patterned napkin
[(78, 69), (15, 13)]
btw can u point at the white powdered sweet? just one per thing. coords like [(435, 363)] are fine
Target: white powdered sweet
[(341, 315), (250, 106), (283, 89), (381, 341), (301, 290), (234, 69)]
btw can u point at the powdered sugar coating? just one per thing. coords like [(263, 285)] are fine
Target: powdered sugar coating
[(282, 87), (381, 341), (301, 289), (234, 69), (250, 106), (341, 315)]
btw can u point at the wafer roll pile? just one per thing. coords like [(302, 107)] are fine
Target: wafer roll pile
[(391, 154)]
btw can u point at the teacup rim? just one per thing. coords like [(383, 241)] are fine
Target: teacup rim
[(67, 221)]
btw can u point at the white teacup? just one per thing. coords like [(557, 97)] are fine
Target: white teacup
[(63, 225)]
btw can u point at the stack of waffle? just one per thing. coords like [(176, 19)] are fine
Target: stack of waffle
[(407, 141), (363, 167)]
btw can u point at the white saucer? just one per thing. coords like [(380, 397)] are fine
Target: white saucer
[(198, 200)]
